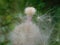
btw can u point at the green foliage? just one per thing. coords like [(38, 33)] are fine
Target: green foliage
[(55, 36)]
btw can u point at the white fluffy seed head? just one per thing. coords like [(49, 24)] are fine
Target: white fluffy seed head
[(30, 11)]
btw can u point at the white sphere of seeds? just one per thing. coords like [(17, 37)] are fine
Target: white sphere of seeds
[(30, 11)]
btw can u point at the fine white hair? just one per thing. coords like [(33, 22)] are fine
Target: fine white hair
[(30, 11)]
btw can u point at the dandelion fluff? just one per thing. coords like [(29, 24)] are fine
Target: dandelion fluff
[(30, 11), (27, 33)]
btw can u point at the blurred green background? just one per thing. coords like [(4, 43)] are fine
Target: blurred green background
[(9, 10)]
